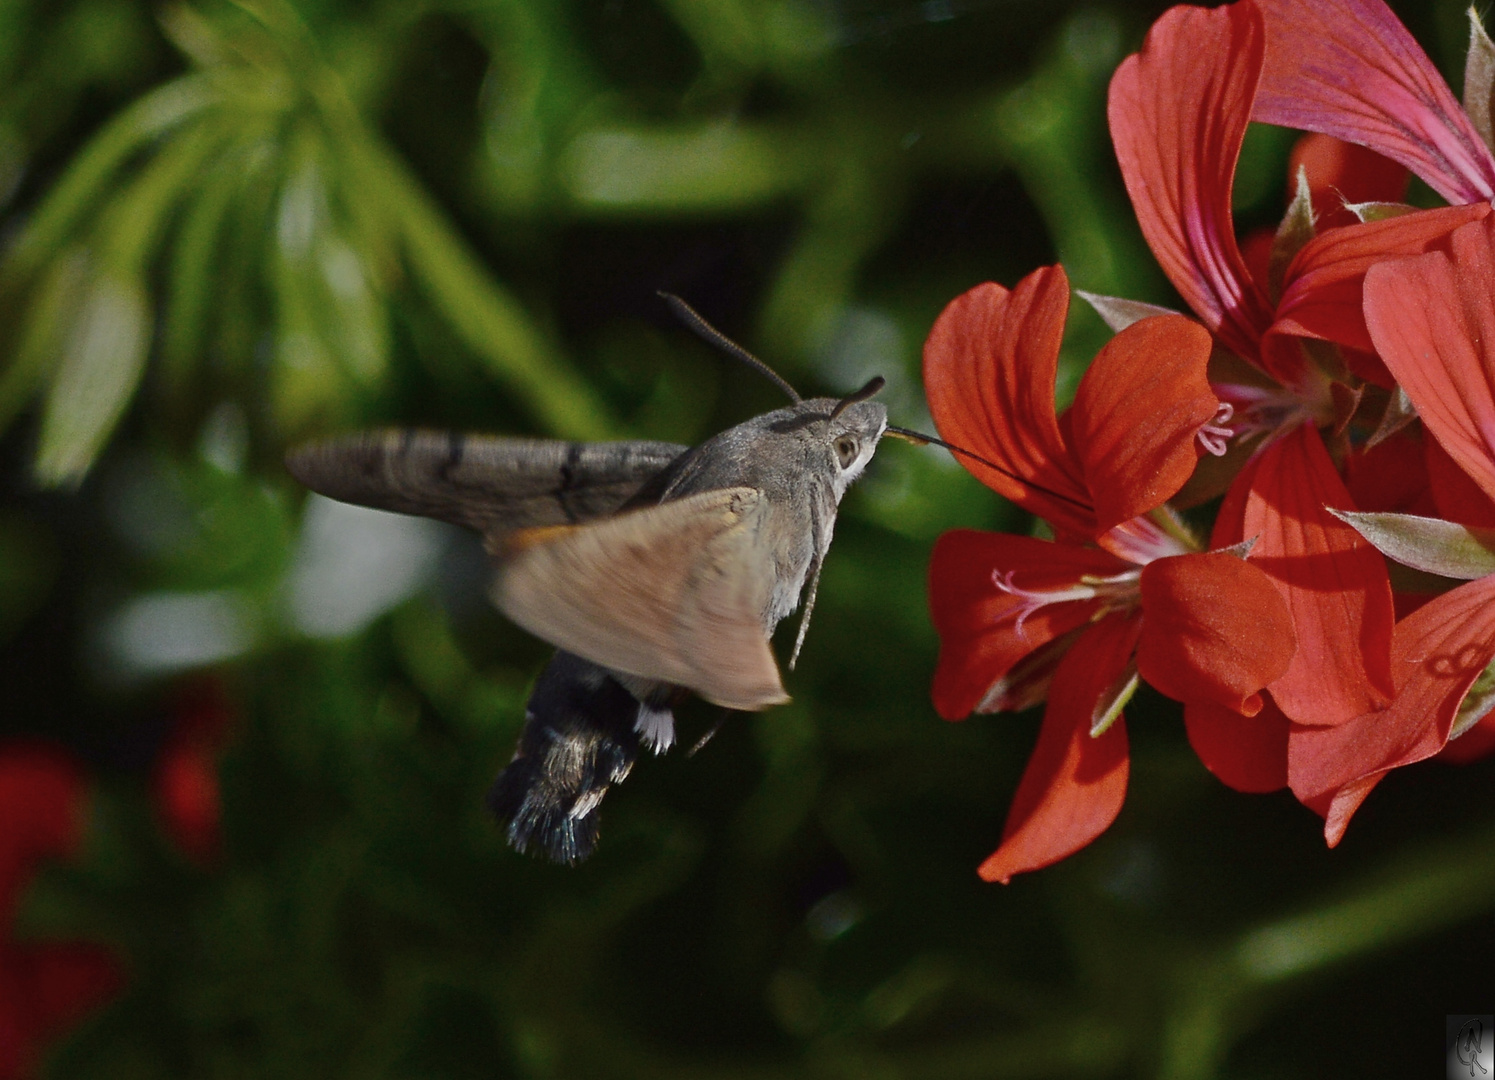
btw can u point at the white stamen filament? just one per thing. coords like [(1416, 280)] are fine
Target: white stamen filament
[(1119, 590), (1216, 434)]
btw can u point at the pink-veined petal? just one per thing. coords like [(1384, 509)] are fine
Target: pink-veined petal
[(1247, 753), (980, 639), (1438, 652), (1350, 69), (1335, 583), (1215, 629), (1137, 415), (989, 368), (1074, 784), (1178, 112), (1433, 322)]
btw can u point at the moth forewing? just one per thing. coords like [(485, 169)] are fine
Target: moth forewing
[(672, 593), (488, 483)]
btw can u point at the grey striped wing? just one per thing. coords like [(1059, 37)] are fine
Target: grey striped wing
[(489, 483)]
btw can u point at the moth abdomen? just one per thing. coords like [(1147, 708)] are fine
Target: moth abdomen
[(579, 739)]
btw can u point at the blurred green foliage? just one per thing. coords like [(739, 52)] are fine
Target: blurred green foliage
[(229, 226)]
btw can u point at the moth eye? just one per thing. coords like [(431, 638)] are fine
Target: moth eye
[(846, 450)]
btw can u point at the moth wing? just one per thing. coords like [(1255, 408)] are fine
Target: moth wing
[(673, 592), (489, 483)]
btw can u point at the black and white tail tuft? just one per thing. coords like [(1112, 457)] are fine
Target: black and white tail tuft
[(579, 739)]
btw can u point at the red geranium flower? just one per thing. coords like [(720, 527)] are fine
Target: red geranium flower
[(44, 988), (1123, 590), (1178, 112), (1433, 321)]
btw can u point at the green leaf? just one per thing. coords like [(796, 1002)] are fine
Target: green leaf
[(91, 176), (193, 286), (51, 301), (101, 365), (108, 337), (357, 322), (807, 303), (308, 385), (723, 166), (1429, 544), (483, 313)]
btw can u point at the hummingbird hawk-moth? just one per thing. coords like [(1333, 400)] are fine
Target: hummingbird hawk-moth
[(656, 569)]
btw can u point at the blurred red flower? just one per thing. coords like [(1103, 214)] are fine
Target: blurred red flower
[(184, 784), (44, 988)]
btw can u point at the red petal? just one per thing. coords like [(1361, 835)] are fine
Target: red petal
[(1247, 753), (1178, 111), (1334, 582), (1433, 323), (1391, 477), (1324, 292), (1256, 253), (1137, 413), (1455, 496), (1349, 69), (1439, 650), (989, 367), (1074, 784), (977, 622), (1340, 173), (1230, 520), (1214, 630)]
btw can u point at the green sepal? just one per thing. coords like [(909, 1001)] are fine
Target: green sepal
[(1479, 79), (1430, 544)]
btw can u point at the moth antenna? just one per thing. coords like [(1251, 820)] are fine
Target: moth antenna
[(710, 334), (804, 620), (925, 440), (874, 384)]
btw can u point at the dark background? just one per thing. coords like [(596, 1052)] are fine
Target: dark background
[(230, 227)]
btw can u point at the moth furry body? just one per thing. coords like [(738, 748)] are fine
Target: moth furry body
[(654, 568)]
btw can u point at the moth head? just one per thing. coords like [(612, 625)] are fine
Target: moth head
[(854, 426)]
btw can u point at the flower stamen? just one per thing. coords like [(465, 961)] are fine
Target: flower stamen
[(1115, 591), (1215, 435)]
